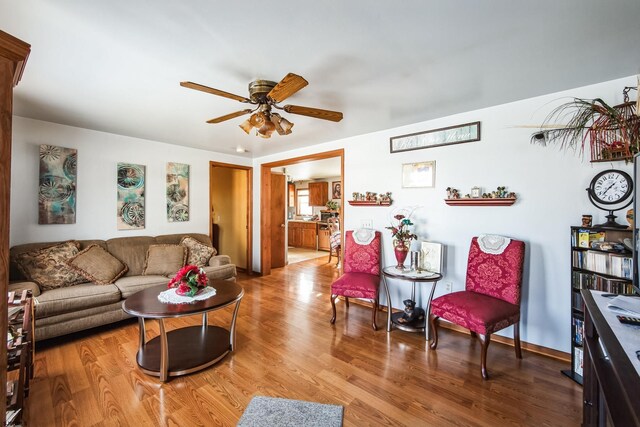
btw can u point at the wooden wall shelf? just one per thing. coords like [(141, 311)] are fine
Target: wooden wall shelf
[(507, 201), (364, 203)]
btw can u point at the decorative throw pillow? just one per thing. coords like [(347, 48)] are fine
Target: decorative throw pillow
[(47, 266), (164, 260), (198, 253), (97, 265)]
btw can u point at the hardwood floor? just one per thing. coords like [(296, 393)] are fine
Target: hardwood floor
[(287, 348)]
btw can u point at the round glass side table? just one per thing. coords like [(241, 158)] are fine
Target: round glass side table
[(413, 276)]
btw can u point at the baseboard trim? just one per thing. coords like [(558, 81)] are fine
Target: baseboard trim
[(533, 348)]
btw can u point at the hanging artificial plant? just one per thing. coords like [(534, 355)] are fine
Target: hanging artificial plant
[(614, 132)]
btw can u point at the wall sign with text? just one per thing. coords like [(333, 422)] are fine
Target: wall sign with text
[(467, 132)]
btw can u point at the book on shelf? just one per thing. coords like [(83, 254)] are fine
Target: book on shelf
[(612, 264), (578, 361), (578, 336), (584, 280)]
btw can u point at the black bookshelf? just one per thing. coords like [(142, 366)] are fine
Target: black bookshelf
[(596, 266)]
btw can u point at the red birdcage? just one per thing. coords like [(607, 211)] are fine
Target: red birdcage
[(615, 135)]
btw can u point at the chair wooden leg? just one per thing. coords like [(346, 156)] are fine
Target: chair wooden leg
[(433, 324), (473, 334), (375, 314), (330, 254), (333, 307), (338, 251), (346, 300), (516, 339), (485, 340)]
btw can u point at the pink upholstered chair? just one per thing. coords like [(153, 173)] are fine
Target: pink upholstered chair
[(491, 300), (361, 278)]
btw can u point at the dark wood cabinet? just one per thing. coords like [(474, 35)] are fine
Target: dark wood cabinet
[(302, 234), (610, 378), (318, 193)]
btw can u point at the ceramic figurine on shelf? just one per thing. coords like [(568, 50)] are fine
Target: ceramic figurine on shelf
[(371, 197), (511, 195), (386, 197)]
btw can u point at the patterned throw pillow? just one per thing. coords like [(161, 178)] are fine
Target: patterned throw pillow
[(198, 253), (47, 267), (97, 265), (164, 260)]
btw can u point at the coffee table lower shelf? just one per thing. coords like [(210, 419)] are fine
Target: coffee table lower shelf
[(190, 349)]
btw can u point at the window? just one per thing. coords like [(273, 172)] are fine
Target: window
[(303, 207)]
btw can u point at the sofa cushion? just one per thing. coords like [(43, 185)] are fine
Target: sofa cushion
[(132, 251), (198, 254), (164, 260), (97, 265), (47, 267), (73, 298), (132, 284), (21, 285), (222, 272)]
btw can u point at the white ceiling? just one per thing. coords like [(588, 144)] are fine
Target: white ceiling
[(115, 66)]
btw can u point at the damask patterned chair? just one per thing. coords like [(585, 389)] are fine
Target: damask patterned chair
[(361, 278), (491, 300)]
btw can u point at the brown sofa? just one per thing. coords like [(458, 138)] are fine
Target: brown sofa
[(74, 308)]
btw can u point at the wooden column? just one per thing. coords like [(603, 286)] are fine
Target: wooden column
[(13, 56)]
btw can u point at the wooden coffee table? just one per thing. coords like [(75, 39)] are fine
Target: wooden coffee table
[(184, 350)]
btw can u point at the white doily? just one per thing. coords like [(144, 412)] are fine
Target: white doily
[(364, 236), (493, 244), (170, 297)]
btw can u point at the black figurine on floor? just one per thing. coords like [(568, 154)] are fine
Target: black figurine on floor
[(411, 313)]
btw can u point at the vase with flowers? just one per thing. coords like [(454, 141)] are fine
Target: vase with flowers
[(402, 237), (189, 281)]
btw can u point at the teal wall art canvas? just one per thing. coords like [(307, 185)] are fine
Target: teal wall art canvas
[(57, 185), (177, 192), (131, 183)]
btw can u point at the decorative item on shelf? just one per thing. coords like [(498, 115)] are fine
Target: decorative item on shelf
[(402, 237), (499, 197), (453, 193), (476, 192), (613, 132), (371, 199), (630, 218), (611, 187), (189, 281), (586, 220)]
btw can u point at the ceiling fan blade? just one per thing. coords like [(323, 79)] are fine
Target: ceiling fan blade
[(290, 84), (213, 91), (334, 116), (230, 116)]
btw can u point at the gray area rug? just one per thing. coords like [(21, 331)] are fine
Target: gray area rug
[(275, 412)]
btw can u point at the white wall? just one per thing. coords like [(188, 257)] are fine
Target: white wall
[(551, 197), (98, 155)]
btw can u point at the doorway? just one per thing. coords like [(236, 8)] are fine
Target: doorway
[(230, 212), (266, 226)]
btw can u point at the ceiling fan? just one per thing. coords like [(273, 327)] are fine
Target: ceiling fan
[(266, 95)]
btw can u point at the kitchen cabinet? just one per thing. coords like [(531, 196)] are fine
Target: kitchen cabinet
[(303, 234), (318, 193), (291, 194), (323, 239)]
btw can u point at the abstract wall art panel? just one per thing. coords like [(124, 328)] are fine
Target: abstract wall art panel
[(177, 192), (57, 185), (131, 184)]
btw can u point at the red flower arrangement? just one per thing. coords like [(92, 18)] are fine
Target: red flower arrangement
[(189, 280)]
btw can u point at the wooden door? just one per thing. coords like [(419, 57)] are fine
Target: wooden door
[(278, 204)]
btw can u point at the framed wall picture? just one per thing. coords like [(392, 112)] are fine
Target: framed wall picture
[(421, 174), (467, 132), (336, 189)]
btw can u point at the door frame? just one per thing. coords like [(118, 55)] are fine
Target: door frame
[(265, 199), (249, 170)]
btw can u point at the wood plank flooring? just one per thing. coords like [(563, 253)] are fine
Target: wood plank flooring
[(287, 348)]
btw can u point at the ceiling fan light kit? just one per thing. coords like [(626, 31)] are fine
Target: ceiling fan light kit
[(266, 95)]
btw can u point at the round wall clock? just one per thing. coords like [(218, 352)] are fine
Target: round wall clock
[(611, 187)]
